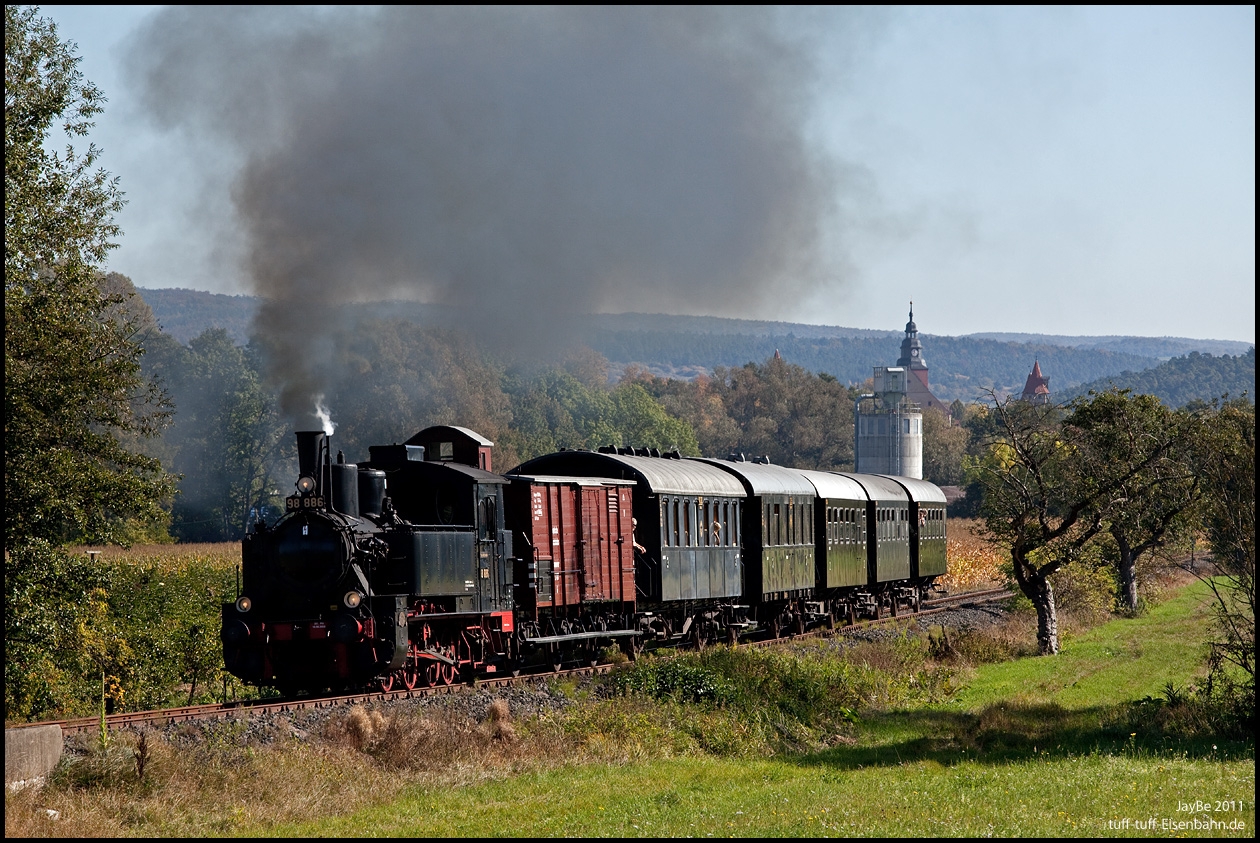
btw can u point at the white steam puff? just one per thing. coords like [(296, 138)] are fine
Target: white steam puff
[(325, 418)]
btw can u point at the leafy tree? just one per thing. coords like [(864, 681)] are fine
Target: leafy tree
[(556, 410), (944, 446), (699, 402), (1053, 482), (644, 423), (1118, 431), (73, 386), (1226, 462), (228, 441), (789, 414), (395, 378), (1030, 504)]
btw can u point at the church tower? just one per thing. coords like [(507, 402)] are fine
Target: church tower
[(917, 389), (912, 350)]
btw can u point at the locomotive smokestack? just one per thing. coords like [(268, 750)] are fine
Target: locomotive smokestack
[(310, 445)]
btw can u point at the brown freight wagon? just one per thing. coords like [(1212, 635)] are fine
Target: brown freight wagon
[(574, 543)]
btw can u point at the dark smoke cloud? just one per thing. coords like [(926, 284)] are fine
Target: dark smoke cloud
[(528, 165)]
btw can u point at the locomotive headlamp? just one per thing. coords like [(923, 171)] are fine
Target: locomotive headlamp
[(306, 484), (244, 604), (352, 599)]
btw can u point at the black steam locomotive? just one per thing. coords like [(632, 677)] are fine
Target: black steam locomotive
[(424, 567)]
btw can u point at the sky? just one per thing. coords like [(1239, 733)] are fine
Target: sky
[(1073, 171)]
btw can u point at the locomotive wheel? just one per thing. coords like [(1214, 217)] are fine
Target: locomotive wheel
[(449, 671), (386, 682), (433, 673), (410, 673)]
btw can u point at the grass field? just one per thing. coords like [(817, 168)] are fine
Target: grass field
[(1085, 743), (1035, 747)]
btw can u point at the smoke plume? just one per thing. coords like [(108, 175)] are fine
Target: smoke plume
[(528, 165)]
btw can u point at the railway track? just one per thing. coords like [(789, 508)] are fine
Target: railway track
[(249, 708)]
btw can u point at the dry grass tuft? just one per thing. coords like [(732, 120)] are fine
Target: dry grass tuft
[(499, 721)]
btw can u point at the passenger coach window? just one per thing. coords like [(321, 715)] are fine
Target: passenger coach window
[(664, 522)]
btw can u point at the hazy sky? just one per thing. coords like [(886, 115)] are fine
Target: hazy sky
[(1067, 171)]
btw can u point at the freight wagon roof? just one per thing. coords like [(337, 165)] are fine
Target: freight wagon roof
[(447, 430), (835, 486), (920, 491), (765, 479), (879, 488), (661, 475)]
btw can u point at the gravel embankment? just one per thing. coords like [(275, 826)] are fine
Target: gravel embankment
[(526, 699)]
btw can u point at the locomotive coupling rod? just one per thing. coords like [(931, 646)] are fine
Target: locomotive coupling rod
[(437, 657)]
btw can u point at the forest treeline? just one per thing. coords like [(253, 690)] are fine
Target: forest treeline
[(234, 454), (395, 374), (963, 368)]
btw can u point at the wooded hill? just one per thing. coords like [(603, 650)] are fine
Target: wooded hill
[(962, 368), (1194, 377)]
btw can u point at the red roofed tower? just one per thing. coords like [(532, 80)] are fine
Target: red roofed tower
[(1037, 388)]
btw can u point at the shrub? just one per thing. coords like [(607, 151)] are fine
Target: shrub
[(149, 622)]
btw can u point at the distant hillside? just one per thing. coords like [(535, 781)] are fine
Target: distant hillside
[(1163, 348), (1181, 380), (959, 367), (685, 346), (185, 314)]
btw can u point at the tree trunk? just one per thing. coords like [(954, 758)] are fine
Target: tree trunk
[(1128, 574), (1036, 587), (1047, 617)]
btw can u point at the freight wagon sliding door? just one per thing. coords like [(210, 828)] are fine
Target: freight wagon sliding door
[(555, 519), (603, 546)]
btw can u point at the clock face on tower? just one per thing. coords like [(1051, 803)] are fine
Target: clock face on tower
[(914, 352)]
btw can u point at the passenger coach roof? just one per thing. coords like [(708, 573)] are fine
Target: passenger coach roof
[(569, 479), (835, 486), (920, 491), (661, 475), (765, 479), (878, 487)]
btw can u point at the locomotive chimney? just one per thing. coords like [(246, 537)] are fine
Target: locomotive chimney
[(310, 446)]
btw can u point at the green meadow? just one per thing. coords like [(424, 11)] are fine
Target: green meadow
[(1036, 746), (1115, 736)]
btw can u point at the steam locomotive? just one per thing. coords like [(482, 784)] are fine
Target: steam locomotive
[(424, 567)]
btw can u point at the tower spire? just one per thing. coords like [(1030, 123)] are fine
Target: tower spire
[(911, 348)]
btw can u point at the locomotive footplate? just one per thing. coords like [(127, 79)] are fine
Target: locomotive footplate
[(584, 636)]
